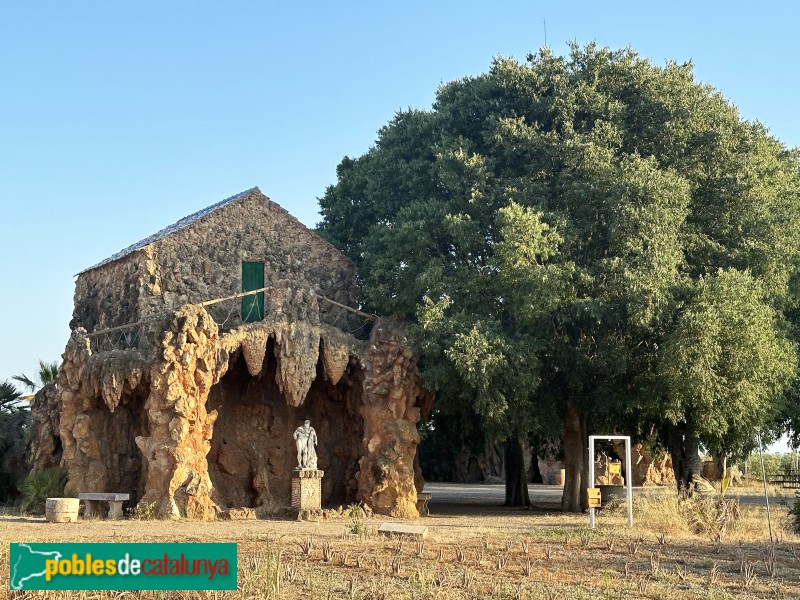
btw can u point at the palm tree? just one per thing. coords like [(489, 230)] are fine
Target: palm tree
[(48, 371), (9, 404), (9, 397), (15, 419)]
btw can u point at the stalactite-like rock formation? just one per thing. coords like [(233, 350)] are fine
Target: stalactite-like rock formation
[(197, 409), (95, 429), (335, 354), (254, 350), (297, 346)]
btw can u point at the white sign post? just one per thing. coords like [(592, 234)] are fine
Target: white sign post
[(628, 473)]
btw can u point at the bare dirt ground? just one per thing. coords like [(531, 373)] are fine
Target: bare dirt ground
[(475, 549)]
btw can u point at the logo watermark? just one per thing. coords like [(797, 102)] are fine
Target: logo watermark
[(135, 566)]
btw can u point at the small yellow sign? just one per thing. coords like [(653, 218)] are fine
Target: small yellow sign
[(594, 497), (614, 468)]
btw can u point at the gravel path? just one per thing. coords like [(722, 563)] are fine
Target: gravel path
[(548, 497), (488, 494)]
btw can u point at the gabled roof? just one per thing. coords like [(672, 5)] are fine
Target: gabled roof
[(177, 226)]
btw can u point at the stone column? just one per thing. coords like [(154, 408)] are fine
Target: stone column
[(392, 395), (307, 492), (180, 427), (80, 450)]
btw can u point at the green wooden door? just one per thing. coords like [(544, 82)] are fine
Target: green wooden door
[(252, 279)]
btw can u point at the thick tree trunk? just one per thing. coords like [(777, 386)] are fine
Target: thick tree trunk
[(684, 447), (692, 444), (585, 483), (516, 476), (677, 452), (576, 461)]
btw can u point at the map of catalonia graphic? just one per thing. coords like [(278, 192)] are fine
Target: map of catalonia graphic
[(29, 564)]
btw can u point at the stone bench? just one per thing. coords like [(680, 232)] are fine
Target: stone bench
[(93, 499), (422, 503)]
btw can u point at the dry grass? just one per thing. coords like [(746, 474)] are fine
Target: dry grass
[(497, 554)]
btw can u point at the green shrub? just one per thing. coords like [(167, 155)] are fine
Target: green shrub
[(145, 511), (357, 524), (14, 453), (774, 464), (8, 488), (708, 511), (37, 487)]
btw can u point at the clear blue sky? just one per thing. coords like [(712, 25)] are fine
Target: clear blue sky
[(117, 119)]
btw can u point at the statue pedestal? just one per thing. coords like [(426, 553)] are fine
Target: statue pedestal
[(307, 491)]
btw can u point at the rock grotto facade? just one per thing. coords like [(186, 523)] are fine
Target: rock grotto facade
[(182, 392)]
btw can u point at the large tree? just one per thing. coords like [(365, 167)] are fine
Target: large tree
[(726, 364), (554, 228)]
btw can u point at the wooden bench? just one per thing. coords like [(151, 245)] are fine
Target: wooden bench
[(422, 503), (93, 499)]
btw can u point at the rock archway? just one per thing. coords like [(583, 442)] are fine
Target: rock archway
[(252, 452), (212, 414)]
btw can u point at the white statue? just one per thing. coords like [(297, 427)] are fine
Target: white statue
[(306, 439)]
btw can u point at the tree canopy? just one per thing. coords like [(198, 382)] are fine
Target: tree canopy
[(589, 237)]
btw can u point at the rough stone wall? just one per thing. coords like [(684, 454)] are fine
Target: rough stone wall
[(46, 442), (393, 400), (110, 296), (647, 470), (100, 399), (203, 261), (486, 466), (550, 468)]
